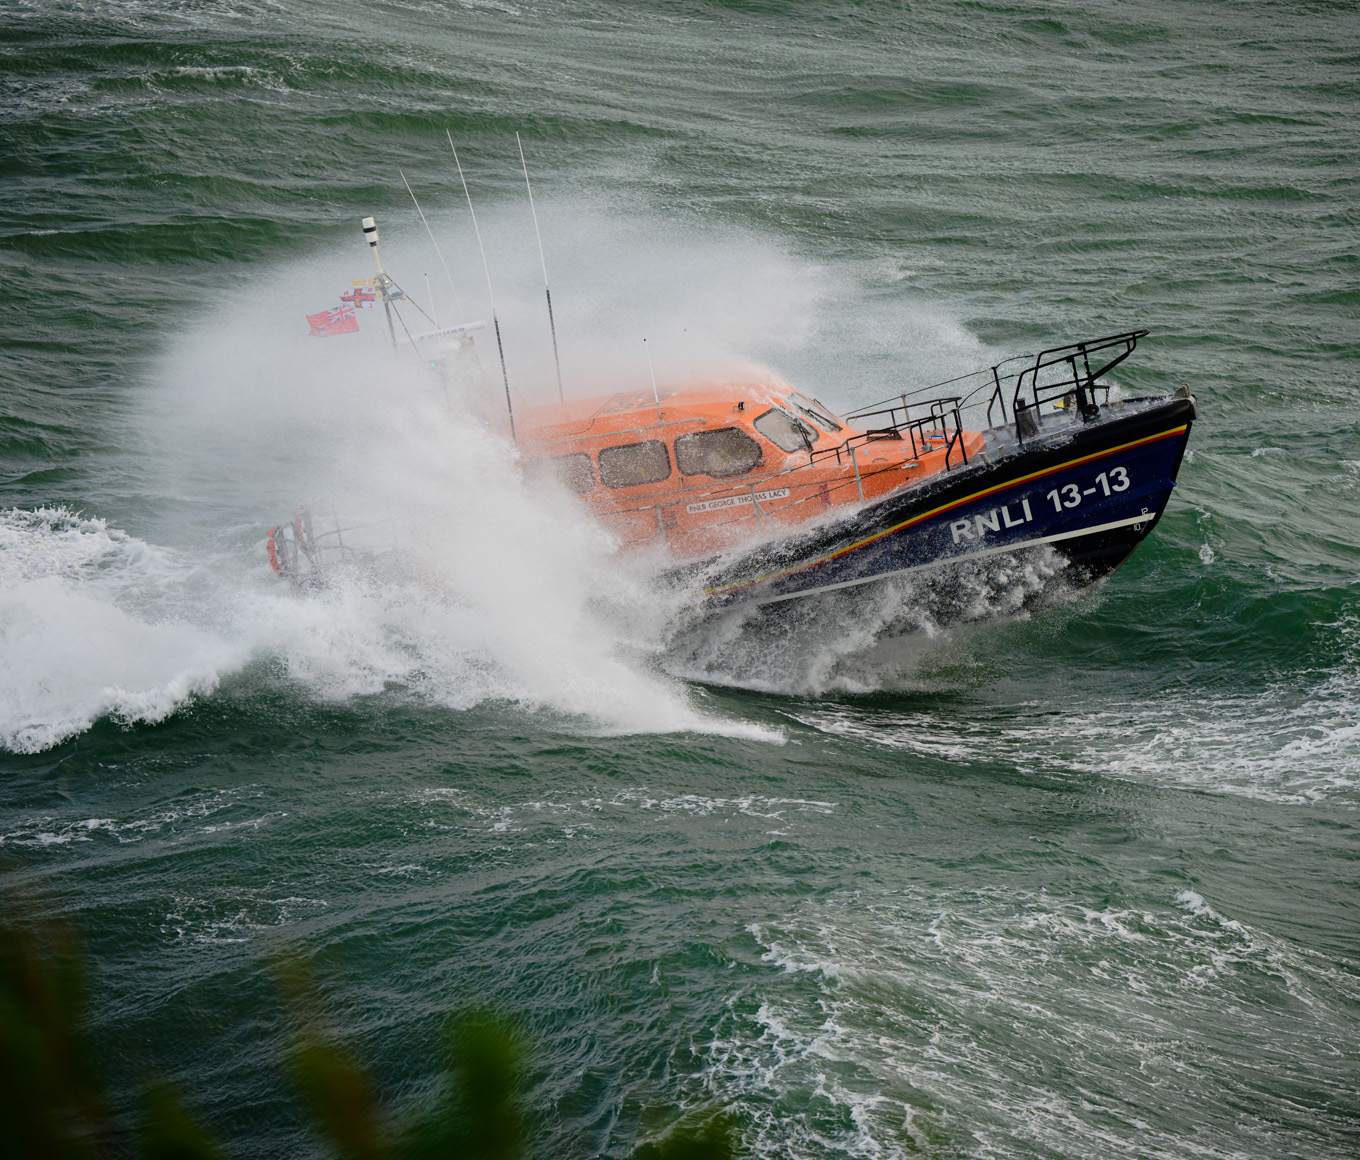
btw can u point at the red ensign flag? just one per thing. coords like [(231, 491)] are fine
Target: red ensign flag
[(337, 320)]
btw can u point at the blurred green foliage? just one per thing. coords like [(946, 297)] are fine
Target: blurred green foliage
[(52, 1103), (51, 1100)]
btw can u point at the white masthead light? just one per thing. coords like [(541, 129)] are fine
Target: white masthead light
[(371, 233)]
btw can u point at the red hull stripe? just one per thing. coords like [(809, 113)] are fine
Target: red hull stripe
[(836, 555)]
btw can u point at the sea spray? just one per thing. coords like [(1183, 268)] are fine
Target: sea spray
[(475, 588)]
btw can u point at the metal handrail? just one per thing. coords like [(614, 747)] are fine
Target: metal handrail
[(1078, 383), (944, 415), (1073, 384)]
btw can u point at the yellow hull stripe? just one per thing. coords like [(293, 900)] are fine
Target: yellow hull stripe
[(773, 576)]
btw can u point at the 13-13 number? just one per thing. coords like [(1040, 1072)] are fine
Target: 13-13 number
[(1070, 495)]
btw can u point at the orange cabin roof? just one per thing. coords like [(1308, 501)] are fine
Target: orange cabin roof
[(694, 505), (712, 403)]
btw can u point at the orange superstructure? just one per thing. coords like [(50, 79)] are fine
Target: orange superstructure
[(703, 466)]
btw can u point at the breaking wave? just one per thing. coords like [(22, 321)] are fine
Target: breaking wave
[(80, 634)]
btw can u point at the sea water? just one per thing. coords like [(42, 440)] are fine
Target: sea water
[(1068, 878)]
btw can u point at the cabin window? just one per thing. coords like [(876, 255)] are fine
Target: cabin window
[(728, 451), (786, 432), (635, 463), (573, 472), (814, 410)]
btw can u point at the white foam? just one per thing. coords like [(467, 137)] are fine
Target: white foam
[(1292, 741), (70, 653), (864, 639), (98, 625), (912, 1012), (47, 831), (583, 816), (234, 916)]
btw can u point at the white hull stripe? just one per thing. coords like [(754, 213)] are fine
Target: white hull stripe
[(1144, 518)]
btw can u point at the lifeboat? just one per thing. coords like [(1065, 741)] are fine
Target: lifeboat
[(753, 491)]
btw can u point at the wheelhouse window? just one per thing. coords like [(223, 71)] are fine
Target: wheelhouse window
[(814, 410), (635, 463), (573, 472), (727, 451), (784, 431)]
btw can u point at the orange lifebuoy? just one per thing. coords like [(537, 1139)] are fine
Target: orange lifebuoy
[(272, 548)]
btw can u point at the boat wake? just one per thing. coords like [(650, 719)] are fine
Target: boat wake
[(97, 624)]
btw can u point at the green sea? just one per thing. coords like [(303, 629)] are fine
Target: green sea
[(1071, 876)]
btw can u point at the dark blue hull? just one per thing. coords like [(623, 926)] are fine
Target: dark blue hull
[(1092, 492)]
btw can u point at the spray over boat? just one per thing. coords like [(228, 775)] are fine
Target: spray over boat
[(752, 492)]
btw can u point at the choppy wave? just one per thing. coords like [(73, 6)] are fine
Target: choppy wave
[(927, 1033), (1294, 740), (81, 636)]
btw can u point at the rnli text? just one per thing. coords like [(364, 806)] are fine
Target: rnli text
[(992, 521)]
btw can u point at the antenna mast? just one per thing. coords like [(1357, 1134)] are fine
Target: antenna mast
[(453, 289), (552, 326), (505, 378), (371, 233)]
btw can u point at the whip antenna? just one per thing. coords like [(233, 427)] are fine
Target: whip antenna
[(456, 301), (552, 326), (655, 397), (505, 377)]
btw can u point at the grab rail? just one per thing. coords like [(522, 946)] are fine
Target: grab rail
[(1062, 374), (942, 415), (1066, 383)]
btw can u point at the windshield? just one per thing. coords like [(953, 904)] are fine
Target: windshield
[(815, 411), (786, 432)]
